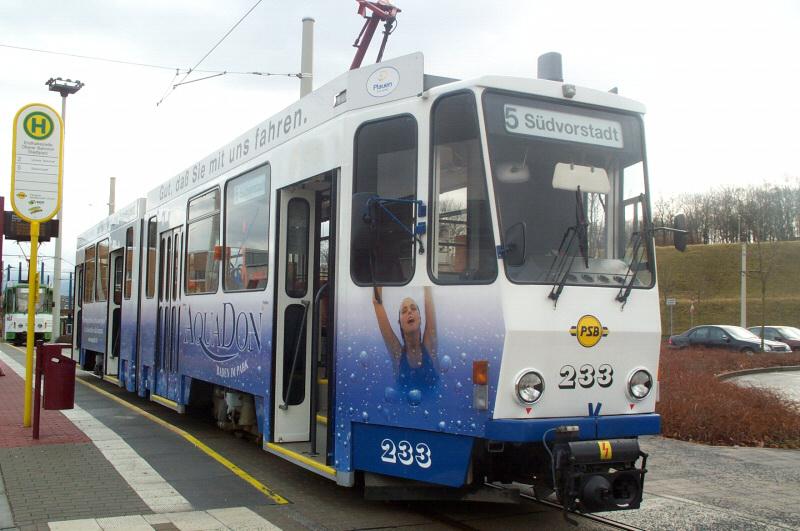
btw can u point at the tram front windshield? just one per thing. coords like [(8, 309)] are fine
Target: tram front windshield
[(22, 301), (569, 182)]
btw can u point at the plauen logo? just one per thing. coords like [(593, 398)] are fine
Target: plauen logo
[(383, 81), (223, 336)]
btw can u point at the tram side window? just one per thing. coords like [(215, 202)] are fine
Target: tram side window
[(385, 166), (463, 242), (246, 235), (202, 244), (88, 275), (128, 262), (101, 290), (152, 245)]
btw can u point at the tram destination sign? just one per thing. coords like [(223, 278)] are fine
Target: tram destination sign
[(37, 163)]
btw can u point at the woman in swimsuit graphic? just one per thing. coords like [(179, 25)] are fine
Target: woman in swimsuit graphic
[(415, 362)]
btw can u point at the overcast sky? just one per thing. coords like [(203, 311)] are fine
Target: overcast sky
[(719, 79)]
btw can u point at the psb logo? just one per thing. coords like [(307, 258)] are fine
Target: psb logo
[(589, 331), (38, 125), (383, 81)]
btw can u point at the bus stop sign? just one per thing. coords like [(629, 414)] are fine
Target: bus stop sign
[(37, 163)]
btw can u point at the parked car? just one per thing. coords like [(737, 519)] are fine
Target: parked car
[(726, 337), (785, 334)]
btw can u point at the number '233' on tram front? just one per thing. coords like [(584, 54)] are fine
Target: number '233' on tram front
[(403, 276)]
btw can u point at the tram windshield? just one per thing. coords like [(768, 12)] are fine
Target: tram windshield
[(21, 303), (570, 183)]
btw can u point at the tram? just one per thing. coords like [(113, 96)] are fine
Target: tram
[(15, 307), (430, 283)]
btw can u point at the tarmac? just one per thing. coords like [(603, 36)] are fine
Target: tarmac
[(120, 462)]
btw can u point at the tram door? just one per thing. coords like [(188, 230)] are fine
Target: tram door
[(114, 315), (169, 300), (295, 299), (77, 317)]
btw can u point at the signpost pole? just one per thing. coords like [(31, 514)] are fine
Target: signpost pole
[(33, 293), (36, 169)]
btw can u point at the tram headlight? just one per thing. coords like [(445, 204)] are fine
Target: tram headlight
[(639, 384), (530, 387)]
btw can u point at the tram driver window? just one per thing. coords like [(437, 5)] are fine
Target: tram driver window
[(386, 166), (202, 244), (463, 243), (246, 237)]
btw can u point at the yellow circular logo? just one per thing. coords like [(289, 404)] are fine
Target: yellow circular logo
[(38, 125), (589, 331)]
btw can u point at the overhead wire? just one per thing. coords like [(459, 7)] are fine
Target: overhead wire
[(181, 82), (147, 65)]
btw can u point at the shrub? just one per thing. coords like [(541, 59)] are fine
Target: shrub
[(696, 406)]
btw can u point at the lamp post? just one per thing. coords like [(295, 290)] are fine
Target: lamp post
[(65, 87)]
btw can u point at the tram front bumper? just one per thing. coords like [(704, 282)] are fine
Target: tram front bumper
[(599, 475)]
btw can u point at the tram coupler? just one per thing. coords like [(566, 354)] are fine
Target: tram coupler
[(599, 475)]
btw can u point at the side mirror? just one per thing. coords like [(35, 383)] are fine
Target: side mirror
[(680, 238), (515, 245)]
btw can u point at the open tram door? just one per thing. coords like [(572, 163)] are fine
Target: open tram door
[(304, 309), (114, 320)]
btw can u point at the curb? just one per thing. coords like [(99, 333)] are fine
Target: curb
[(733, 374)]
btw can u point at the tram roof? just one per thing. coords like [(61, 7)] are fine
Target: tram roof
[(121, 217), (391, 80)]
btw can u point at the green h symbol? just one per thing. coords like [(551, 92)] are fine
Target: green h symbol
[(38, 122)]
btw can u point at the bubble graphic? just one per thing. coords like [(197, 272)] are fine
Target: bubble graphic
[(459, 386), (463, 355), (390, 394), (446, 363), (363, 358), (414, 397), (365, 416), (352, 376), (442, 425)]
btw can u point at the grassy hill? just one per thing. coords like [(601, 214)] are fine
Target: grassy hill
[(709, 275)]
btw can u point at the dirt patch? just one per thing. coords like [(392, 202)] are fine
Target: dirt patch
[(696, 406)]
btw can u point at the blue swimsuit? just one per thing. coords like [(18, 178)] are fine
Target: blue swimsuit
[(423, 377)]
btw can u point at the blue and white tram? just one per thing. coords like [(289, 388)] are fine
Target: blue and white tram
[(106, 310), (404, 276)]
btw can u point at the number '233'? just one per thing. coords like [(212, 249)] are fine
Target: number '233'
[(405, 453)]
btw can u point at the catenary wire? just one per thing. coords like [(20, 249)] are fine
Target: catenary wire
[(169, 91)]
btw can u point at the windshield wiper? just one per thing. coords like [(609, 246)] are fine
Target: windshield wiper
[(579, 231), (633, 267), (562, 257)]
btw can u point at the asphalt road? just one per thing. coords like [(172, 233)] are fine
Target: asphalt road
[(786, 384)]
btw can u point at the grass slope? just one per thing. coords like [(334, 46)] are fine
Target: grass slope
[(709, 275)]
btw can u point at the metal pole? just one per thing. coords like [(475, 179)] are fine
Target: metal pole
[(670, 321), (33, 292), (743, 294), (56, 327), (307, 57), (112, 185)]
